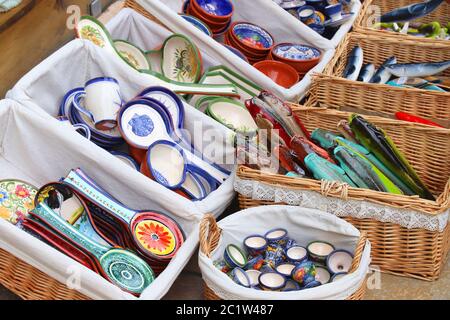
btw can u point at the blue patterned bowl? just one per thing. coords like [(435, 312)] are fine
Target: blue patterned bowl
[(319, 251), (255, 245), (252, 36), (339, 261), (285, 268), (297, 254), (272, 281), (295, 52), (305, 13), (241, 277), (215, 9), (277, 237), (322, 274), (198, 24), (234, 257)]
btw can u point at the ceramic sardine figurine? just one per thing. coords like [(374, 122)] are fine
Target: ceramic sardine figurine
[(367, 72), (324, 170), (345, 130), (382, 75), (376, 141), (287, 161), (418, 70), (354, 64), (302, 147), (411, 12)]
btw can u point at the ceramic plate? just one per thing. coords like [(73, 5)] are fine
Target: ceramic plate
[(298, 52), (91, 29), (16, 199), (133, 55), (253, 35), (334, 24)]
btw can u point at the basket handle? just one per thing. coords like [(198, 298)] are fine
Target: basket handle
[(209, 234), (358, 252)]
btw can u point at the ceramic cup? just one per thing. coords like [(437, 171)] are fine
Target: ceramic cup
[(255, 245), (241, 277), (339, 261), (322, 274), (102, 100), (305, 13), (255, 263), (234, 257), (274, 255), (334, 11), (277, 237), (296, 254), (285, 268), (304, 273), (319, 251), (272, 281), (253, 275)]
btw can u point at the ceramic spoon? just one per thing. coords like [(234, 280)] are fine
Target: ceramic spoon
[(121, 267), (154, 234), (132, 55), (144, 121)]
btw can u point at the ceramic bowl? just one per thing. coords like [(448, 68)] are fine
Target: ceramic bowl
[(233, 115), (291, 285), (334, 11), (319, 251), (297, 254), (255, 263), (305, 13), (285, 268), (255, 245), (218, 10), (248, 52), (304, 273), (234, 257), (322, 274), (253, 275), (214, 25), (277, 237), (339, 261), (280, 72), (198, 24), (272, 281), (241, 277), (292, 4), (301, 57), (338, 276), (252, 37)]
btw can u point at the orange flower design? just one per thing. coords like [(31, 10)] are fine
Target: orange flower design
[(154, 236), (22, 192)]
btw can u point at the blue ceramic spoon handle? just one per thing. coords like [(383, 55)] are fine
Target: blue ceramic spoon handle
[(55, 221), (100, 197)]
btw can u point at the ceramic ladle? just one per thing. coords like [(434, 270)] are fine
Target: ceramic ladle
[(121, 267)]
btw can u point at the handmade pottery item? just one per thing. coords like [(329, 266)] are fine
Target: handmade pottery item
[(233, 115), (322, 275), (255, 245), (334, 11), (274, 255), (281, 73), (121, 267), (291, 285), (102, 101), (302, 57), (285, 268), (193, 186), (252, 37), (16, 199), (292, 4), (132, 55), (198, 24), (253, 275), (220, 10), (272, 281), (255, 263), (125, 158), (296, 254), (336, 23), (214, 24), (304, 273), (339, 261), (89, 28), (338, 276), (241, 277), (277, 237), (312, 284), (319, 251), (234, 257), (305, 13), (181, 60)]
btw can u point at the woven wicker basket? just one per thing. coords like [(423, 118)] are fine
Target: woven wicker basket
[(417, 253), (209, 236), (332, 91), (139, 9), (368, 14)]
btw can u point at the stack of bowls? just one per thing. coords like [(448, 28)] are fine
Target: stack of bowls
[(215, 13), (253, 41)]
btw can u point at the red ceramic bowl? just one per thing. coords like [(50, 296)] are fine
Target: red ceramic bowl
[(302, 66), (245, 50), (281, 73), (210, 16), (212, 24), (248, 46)]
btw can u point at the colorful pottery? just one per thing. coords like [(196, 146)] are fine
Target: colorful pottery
[(322, 275), (241, 277), (193, 186), (304, 273), (198, 24), (89, 28), (255, 263), (281, 73), (234, 257), (274, 255), (277, 237), (215, 9), (253, 275), (272, 281), (319, 251), (16, 199), (291, 285), (222, 266), (302, 57), (305, 13), (339, 261), (336, 23), (296, 254), (233, 115), (285, 268), (252, 36), (255, 245), (132, 55)]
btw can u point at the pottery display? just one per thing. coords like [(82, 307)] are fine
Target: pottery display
[(339, 261), (319, 251), (272, 281), (232, 114), (234, 257), (16, 199), (281, 73), (216, 14), (133, 55)]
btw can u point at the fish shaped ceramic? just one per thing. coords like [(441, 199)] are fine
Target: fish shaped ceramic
[(377, 142), (418, 69), (411, 12), (287, 161), (303, 147), (345, 130), (324, 170), (382, 75), (354, 64), (367, 72)]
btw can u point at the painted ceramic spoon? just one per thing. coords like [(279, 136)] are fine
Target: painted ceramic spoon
[(154, 234), (123, 268), (376, 141)]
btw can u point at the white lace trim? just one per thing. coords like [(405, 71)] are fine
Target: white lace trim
[(407, 218)]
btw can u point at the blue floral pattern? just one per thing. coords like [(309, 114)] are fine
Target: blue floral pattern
[(3, 196), (141, 125)]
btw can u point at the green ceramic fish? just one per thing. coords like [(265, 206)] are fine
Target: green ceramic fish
[(323, 169), (377, 142)]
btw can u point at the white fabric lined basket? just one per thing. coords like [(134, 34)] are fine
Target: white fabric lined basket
[(255, 11), (304, 226)]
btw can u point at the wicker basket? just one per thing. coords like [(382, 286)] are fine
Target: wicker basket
[(367, 18), (209, 237), (132, 4), (414, 252), (332, 91), (29, 283)]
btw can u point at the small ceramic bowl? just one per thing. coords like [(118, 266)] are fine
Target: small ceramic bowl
[(334, 11), (319, 251), (304, 273), (241, 277), (339, 261), (214, 25), (338, 276), (301, 57), (272, 281), (252, 37), (251, 55), (218, 10), (296, 254), (292, 4), (291, 285), (253, 275), (234, 257), (312, 284), (285, 268), (322, 274), (280, 72), (277, 237), (255, 245), (198, 24), (255, 263), (305, 13)]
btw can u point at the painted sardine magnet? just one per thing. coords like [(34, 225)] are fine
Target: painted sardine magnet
[(354, 64), (367, 72), (382, 75), (411, 12), (413, 70)]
